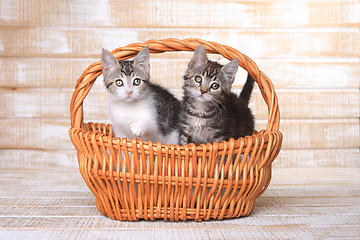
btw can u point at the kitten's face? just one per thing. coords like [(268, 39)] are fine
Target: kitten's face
[(204, 86), (125, 80), (206, 81)]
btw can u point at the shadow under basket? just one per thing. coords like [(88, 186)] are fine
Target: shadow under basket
[(134, 180)]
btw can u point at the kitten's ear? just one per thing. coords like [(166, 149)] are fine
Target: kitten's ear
[(142, 60), (229, 70), (199, 60), (108, 62)]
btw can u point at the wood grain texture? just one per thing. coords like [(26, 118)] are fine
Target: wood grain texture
[(312, 158), (182, 14), (34, 134), (285, 73), (309, 49), (309, 203), (322, 133), (294, 104), (257, 43), (36, 159), (298, 134)]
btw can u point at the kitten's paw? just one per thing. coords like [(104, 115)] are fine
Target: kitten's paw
[(183, 140), (136, 130)]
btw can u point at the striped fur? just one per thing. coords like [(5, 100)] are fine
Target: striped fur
[(139, 108), (209, 113)]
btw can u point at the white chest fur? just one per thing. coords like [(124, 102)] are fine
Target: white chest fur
[(125, 114), (137, 120)]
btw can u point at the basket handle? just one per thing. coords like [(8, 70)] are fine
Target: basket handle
[(87, 79)]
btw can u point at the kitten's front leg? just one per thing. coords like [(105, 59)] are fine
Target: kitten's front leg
[(219, 140), (137, 130), (183, 139)]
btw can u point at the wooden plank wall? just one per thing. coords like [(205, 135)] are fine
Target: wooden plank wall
[(310, 50)]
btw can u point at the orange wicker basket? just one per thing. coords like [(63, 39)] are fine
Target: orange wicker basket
[(134, 180)]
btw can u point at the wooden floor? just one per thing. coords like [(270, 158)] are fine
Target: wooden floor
[(299, 204)]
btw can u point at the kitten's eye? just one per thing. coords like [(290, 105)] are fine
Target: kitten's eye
[(119, 82), (137, 82), (198, 79), (215, 86)]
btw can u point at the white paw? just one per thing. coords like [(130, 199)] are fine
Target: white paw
[(136, 130)]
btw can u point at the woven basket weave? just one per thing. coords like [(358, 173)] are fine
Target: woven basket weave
[(134, 180)]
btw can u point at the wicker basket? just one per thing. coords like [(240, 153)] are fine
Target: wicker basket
[(134, 180)]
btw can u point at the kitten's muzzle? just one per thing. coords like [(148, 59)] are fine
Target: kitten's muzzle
[(203, 90)]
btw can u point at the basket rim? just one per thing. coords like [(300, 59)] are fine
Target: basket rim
[(263, 136), (90, 74), (263, 139)]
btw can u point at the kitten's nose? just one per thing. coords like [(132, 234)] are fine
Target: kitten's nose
[(129, 92), (202, 91)]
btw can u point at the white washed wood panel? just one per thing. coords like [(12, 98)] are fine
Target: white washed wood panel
[(181, 14), (312, 73), (48, 103), (256, 43), (229, 231), (330, 181), (11, 158), (270, 220), (312, 199), (34, 134), (286, 73), (298, 158), (86, 211), (78, 190), (294, 104), (42, 72), (298, 134), (305, 158), (49, 211), (322, 133), (317, 133), (309, 49), (226, 229), (317, 103), (51, 201)]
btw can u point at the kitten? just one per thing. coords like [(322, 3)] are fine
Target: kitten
[(139, 108), (209, 110)]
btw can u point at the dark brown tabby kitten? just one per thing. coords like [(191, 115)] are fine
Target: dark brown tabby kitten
[(210, 111)]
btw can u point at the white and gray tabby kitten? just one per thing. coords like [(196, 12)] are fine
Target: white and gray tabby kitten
[(139, 108), (209, 110)]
